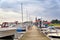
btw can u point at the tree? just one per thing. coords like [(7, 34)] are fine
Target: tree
[(55, 21)]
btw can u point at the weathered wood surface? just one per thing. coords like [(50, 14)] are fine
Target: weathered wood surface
[(34, 34)]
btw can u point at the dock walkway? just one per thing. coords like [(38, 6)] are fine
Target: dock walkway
[(34, 34)]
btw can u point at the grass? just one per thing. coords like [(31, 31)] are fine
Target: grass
[(56, 25)]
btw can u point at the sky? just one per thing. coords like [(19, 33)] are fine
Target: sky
[(10, 10)]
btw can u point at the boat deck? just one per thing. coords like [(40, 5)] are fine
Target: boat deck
[(34, 34)]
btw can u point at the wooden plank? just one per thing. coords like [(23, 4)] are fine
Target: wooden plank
[(34, 34)]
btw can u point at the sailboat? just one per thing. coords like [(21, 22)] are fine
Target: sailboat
[(54, 34)]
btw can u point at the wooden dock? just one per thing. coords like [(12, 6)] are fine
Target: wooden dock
[(34, 34)]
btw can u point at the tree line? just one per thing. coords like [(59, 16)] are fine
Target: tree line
[(55, 21)]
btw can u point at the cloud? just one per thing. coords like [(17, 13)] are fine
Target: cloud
[(48, 9), (10, 16)]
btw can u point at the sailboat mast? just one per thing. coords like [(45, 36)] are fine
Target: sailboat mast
[(22, 11)]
